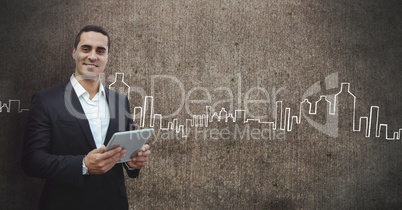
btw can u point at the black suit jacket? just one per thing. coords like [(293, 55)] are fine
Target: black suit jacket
[(58, 136)]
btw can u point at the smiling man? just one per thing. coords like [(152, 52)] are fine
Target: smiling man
[(90, 54), (67, 128)]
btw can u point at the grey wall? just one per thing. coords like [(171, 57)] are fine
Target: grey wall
[(284, 46)]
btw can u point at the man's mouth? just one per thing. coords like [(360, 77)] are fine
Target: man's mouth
[(90, 65)]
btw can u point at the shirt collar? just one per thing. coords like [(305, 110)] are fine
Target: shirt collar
[(79, 90)]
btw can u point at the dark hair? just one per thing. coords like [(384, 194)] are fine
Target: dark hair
[(89, 28)]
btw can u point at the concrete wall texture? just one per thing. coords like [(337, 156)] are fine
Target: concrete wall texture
[(224, 54)]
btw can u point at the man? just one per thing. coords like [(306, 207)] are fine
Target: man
[(67, 128)]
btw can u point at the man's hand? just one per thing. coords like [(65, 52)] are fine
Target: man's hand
[(99, 162), (140, 160)]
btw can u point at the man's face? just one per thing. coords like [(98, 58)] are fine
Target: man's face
[(91, 55)]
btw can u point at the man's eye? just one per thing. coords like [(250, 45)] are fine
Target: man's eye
[(100, 52), (85, 49)]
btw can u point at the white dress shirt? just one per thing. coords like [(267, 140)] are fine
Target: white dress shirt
[(96, 110)]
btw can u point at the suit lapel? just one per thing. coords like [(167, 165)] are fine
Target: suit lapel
[(113, 111), (75, 108)]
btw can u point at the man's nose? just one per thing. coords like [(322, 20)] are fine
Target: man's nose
[(92, 55)]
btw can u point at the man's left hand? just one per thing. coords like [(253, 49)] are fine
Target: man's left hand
[(140, 160)]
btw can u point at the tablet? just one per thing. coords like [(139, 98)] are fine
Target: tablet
[(132, 141)]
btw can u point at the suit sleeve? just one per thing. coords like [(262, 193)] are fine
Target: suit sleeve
[(37, 161), (130, 126)]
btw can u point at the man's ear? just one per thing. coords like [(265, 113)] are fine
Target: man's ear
[(73, 54)]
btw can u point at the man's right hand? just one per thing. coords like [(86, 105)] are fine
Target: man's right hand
[(99, 162)]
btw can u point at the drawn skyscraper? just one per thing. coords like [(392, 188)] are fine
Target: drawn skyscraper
[(345, 106), (148, 112), (119, 85)]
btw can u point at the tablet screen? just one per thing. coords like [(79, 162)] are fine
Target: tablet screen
[(131, 141)]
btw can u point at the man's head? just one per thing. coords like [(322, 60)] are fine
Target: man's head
[(93, 28), (91, 51)]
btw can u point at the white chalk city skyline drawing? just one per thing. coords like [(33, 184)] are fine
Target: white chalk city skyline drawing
[(283, 121), (8, 107)]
